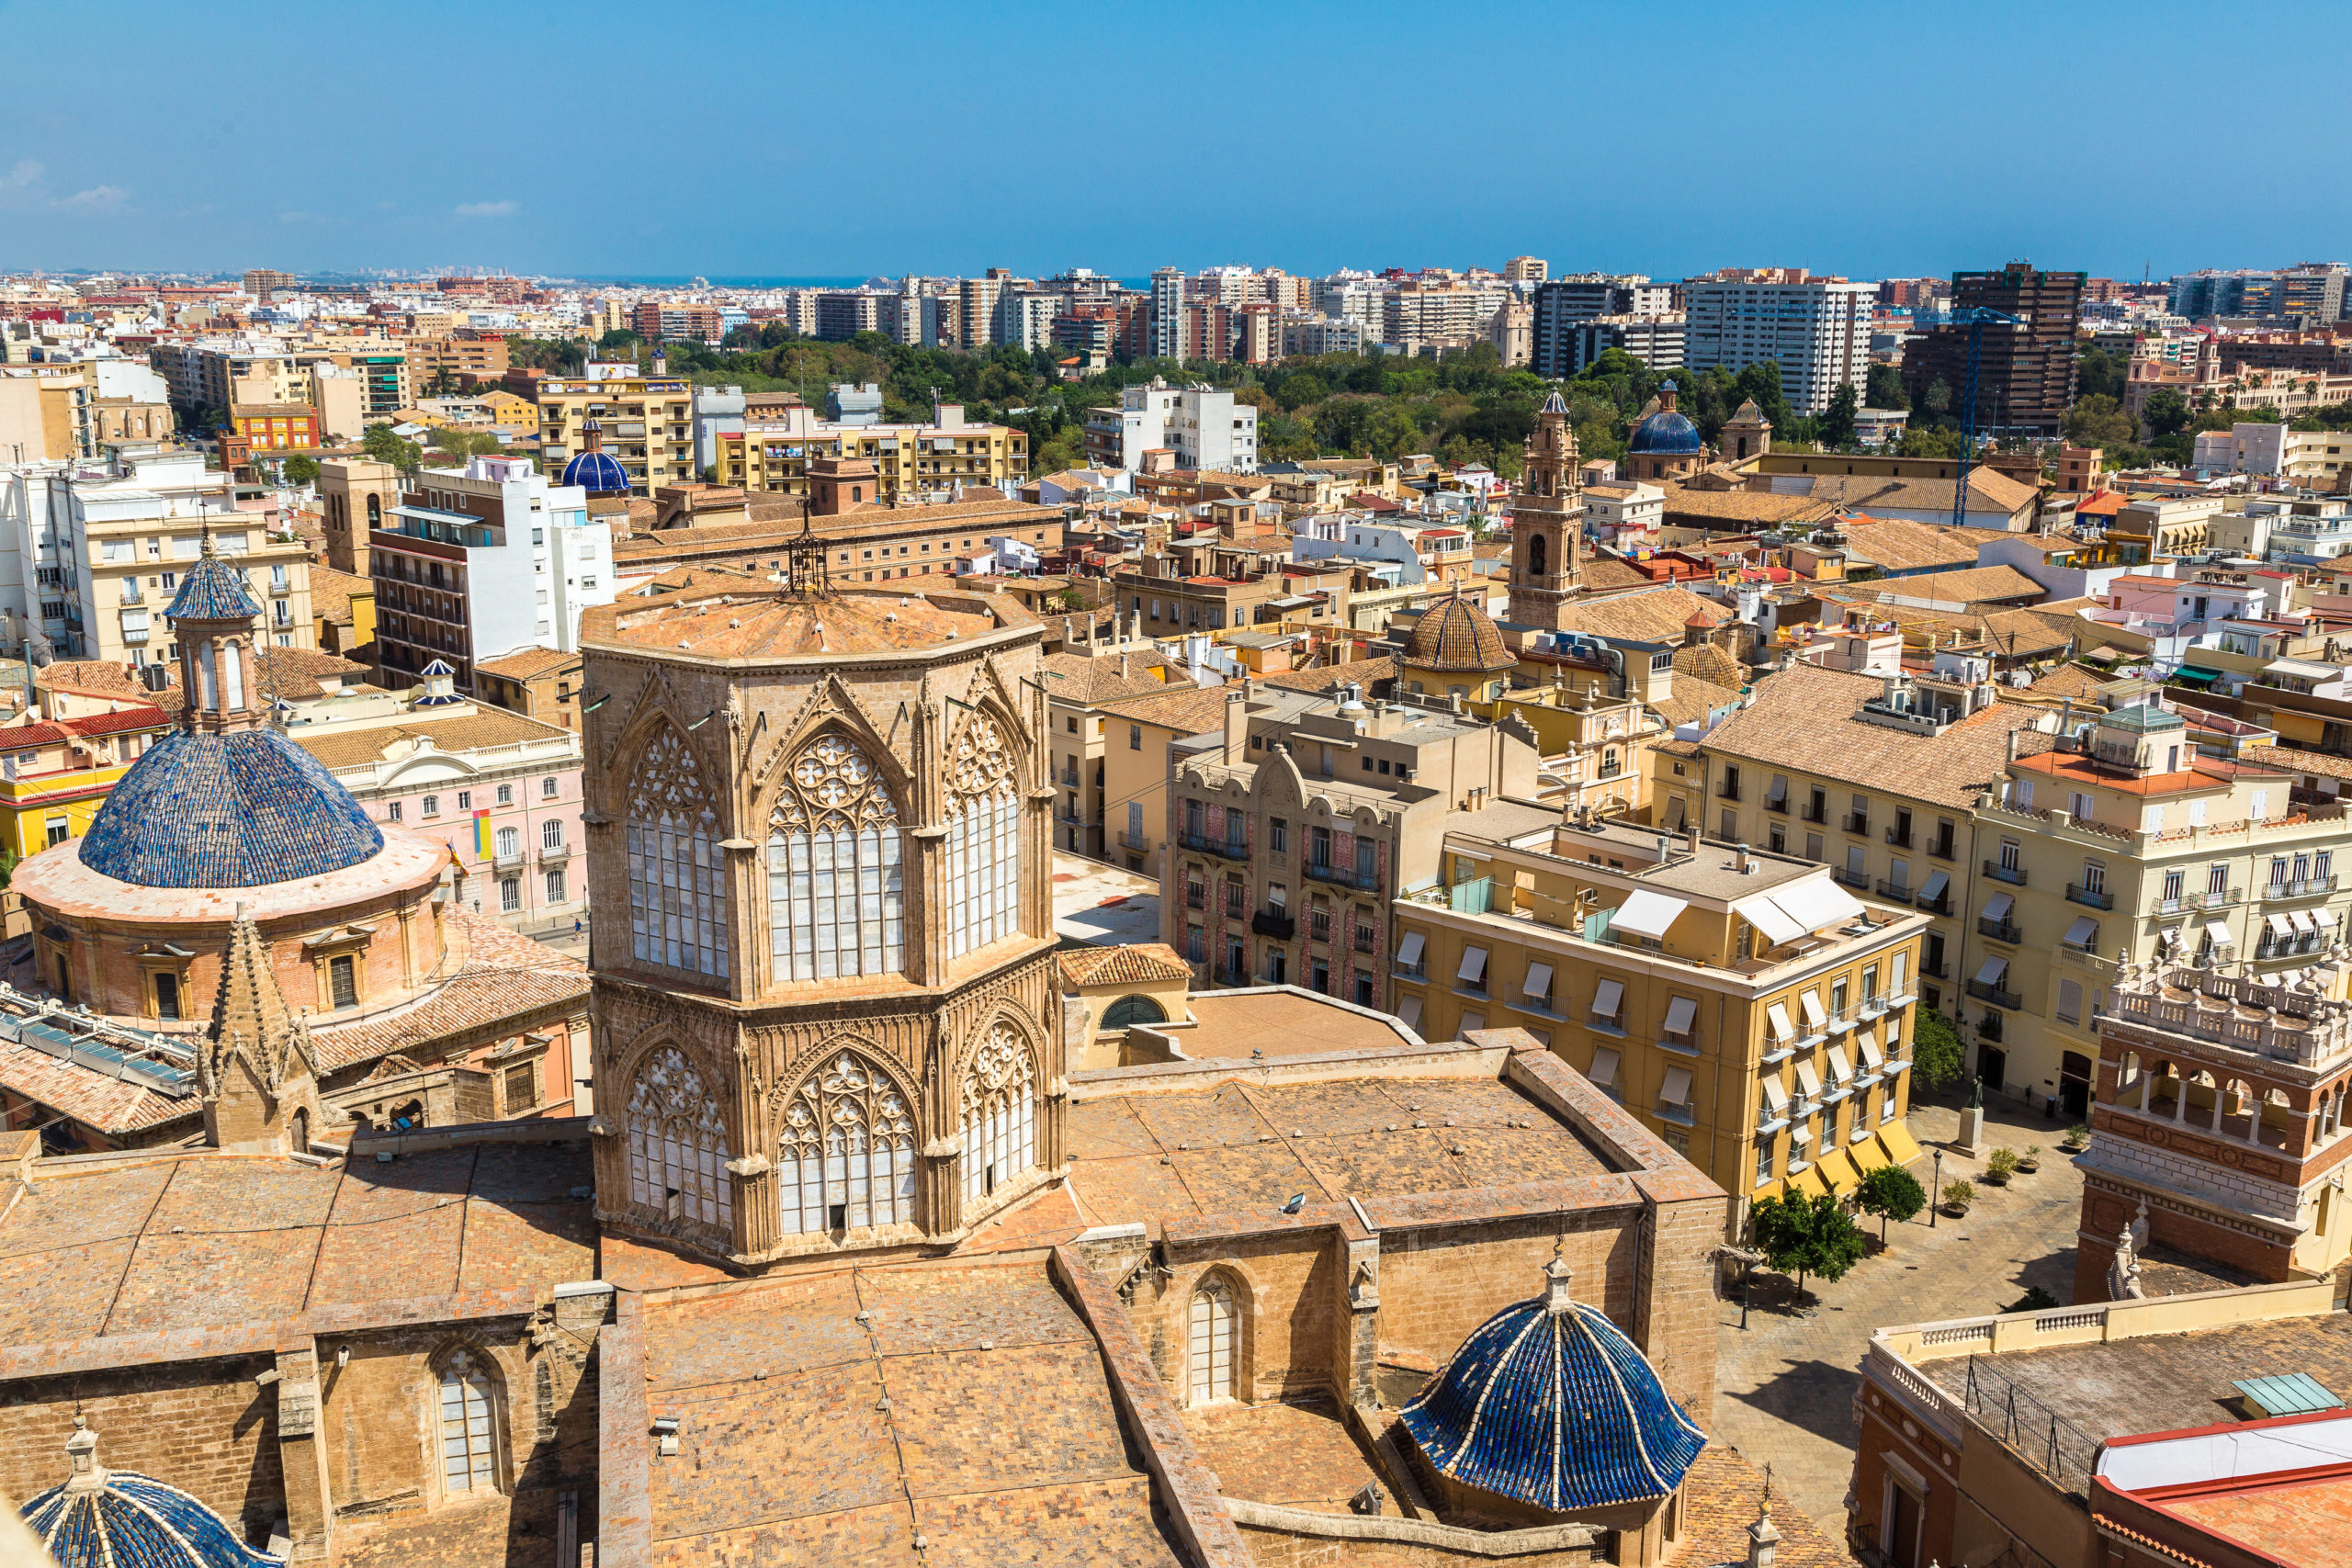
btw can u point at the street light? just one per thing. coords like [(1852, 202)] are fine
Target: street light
[(1936, 1193)]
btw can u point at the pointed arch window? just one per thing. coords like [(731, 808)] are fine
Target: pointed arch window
[(677, 1144), (677, 883), (1535, 554), (983, 840), (836, 895), (469, 1425), (1209, 1342), (1000, 1097), (845, 1156)]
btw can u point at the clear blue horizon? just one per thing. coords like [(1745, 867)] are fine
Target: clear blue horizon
[(809, 141)]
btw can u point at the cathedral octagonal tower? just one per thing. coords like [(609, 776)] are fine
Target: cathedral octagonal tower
[(819, 854)]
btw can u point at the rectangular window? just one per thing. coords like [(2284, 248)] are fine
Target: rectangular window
[(555, 886), (510, 895), (343, 984), (522, 1086), (1277, 834)]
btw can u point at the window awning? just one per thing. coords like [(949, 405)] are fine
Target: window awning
[(1868, 1045), (1474, 965), (1936, 882), (1679, 1015), (1645, 913), (1409, 1011), (1604, 1068), (1675, 1091), (1776, 1099), (2277, 925), (1815, 1019), (1777, 924), (2191, 673), (1410, 949), (1992, 972), (1777, 1017), (1998, 905), (2218, 934), (1839, 1068), (2082, 932), (1606, 995), (1538, 983), (2304, 921), (1778, 789), (1816, 902), (1808, 1081)]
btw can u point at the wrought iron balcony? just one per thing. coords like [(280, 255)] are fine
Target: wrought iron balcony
[(2096, 897), (1274, 923), (1224, 848), (1999, 930), (2012, 874)]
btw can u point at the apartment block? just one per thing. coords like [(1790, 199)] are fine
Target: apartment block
[(463, 358), (1090, 818), (774, 452), (2025, 374), (1750, 1011), (1205, 428), (1294, 825), (1817, 330), (646, 422), (663, 320), (479, 562)]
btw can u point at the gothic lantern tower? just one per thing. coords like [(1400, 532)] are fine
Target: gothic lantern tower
[(1547, 524)]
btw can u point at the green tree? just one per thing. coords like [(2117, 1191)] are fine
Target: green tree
[(1937, 398), (300, 469), (379, 443), (461, 445), (1935, 1048), (1066, 450), (2167, 411), (619, 341), (1885, 388), (1893, 1194), (1806, 1236), (2098, 375), (1835, 428), (443, 385), (2099, 421)]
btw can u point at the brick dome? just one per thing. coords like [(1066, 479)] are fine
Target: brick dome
[(1454, 636)]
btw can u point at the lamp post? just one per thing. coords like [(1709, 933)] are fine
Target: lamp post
[(1936, 1193)]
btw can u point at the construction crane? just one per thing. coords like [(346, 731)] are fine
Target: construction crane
[(1975, 318)]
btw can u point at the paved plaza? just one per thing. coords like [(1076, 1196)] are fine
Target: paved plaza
[(1788, 1380)]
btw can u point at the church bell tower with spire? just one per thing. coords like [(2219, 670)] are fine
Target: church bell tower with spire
[(1547, 524)]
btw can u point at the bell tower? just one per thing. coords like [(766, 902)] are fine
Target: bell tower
[(1547, 522)]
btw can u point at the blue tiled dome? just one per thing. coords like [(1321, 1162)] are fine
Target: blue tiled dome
[(596, 473), (214, 590), (1666, 433), (1548, 1402), (238, 810), (121, 1520)]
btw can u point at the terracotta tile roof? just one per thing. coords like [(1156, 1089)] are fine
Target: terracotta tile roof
[(1747, 508), (767, 623), (2068, 680), (483, 727), (332, 593), (2288, 759), (1187, 710), (1803, 719), (1602, 573), (530, 661), (505, 984), (1987, 489), (1972, 585), (1657, 615), (1719, 1502), (121, 719), (1371, 672), (1693, 699), (1705, 661), (1140, 964), (1086, 681), (1899, 545)]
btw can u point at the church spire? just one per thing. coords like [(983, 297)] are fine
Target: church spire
[(1547, 522), (255, 1068)]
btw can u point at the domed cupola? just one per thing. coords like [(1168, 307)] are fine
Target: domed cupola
[(1549, 1404), (1455, 637), (591, 468), (1666, 433), (103, 1519)]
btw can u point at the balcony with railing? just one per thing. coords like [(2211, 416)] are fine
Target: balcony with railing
[(1276, 923), (2209, 899), (551, 853), (1134, 841), (2095, 898), (2299, 887), (1727, 789), (1899, 835), (1898, 891), (1940, 848), (1999, 930), (1228, 975), (1858, 880), (2012, 874), (1224, 848), (1815, 812), (1777, 803), (1991, 992), (1939, 905), (1858, 823), (1195, 896), (1343, 876)]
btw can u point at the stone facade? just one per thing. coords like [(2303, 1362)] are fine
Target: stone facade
[(895, 746)]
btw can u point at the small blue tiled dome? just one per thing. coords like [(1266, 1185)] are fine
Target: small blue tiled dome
[(242, 809), (212, 590), (596, 473), (103, 1519), (1666, 433), (1549, 1404)]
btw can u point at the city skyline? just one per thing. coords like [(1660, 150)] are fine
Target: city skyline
[(1668, 152)]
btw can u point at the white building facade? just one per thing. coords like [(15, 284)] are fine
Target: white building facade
[(1819, 331)]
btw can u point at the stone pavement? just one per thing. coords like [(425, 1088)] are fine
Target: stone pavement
[(1788, 1381)]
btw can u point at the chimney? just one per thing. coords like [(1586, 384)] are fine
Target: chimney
[(1123, 666), (2013, 746), (1691, 837), (1237, 728)]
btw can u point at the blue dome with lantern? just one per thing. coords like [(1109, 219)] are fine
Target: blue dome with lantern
[(242, 809), (102, 1518), (1666, 433), (1549, 1404), (592, 469)]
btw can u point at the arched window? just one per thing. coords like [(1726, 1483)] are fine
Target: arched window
[(1129, 1010), (375, 512), (999, 1113), (1209, 1342), (468, 1426), (510, 844), (836, 901), (983, 840), (1535, 556), (845, 1159), (677, 888), (677, 1144)]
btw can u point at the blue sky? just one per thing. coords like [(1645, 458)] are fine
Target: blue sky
[(599, 139)]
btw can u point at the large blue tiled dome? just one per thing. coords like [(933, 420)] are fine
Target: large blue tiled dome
[(242, 809), (1666, 433), (118, 1518), (596, 473), (1549, 1404)]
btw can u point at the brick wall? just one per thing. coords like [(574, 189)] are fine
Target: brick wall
[(1439, 1284)]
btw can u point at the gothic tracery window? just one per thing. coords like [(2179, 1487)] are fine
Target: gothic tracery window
[(845, 1155), (469, 1425), (983, 840), (1209, 1342), (1000, 1096), (677, 1142), (836, 900), (677, 881)]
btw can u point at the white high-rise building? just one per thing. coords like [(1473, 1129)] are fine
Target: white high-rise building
[(1816, 329), (1203, 428), (1167, 314)]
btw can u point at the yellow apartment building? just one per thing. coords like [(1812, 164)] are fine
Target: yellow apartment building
[(56, 766), (1751, 1011), (646, 422), (908, 459), (1078, 686)]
